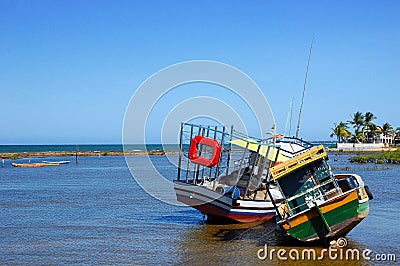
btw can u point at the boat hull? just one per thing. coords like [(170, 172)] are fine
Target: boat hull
[(56, 162), (341, 214), (223, 207), (28, 165)]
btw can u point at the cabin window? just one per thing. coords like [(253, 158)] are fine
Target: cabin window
[(303, 179), (321, 171), (296, 182)]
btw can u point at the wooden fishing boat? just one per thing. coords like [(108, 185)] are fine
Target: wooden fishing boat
[(52, 164), (317, 204), (55, 162), (224, 174), (28, 165)]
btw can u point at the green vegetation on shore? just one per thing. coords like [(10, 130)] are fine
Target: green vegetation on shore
[(12, 156), (18, 155), (379, 158)]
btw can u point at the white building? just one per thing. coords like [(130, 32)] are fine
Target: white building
[(386, 139)]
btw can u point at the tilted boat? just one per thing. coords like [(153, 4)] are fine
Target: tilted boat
[(28, 165), (317, 204), (224, 174)]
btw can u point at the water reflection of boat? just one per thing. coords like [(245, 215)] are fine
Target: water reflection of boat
[(318, 205), (28, 165), (224, 174)]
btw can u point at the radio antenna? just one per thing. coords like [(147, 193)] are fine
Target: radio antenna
[(304, 88), (289, 119)]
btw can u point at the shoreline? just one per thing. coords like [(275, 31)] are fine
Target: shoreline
[(336, 150), (20, 155)]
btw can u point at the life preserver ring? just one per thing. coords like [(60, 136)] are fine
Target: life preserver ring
[(195, 158)]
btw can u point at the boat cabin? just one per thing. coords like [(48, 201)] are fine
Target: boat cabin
[(306, 180)]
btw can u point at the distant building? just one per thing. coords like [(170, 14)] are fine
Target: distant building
[(386, 139), (360, 146), (378, 140)]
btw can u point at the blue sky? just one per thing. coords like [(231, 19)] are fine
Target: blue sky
[(69, 68)]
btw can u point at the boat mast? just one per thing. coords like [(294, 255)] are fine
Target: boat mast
[(304, 88), (289, 119)]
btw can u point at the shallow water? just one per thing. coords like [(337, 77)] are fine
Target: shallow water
[(95, 213)]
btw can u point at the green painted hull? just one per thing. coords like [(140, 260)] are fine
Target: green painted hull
[(338, 222)]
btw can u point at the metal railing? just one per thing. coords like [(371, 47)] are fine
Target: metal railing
[(234, 161), (317, 194)]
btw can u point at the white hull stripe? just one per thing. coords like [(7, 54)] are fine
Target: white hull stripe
[(267, 207)]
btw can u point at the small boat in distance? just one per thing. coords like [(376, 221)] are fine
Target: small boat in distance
[(28, 165), (42, 164), (55, 162), (318, 205), (52, 164)]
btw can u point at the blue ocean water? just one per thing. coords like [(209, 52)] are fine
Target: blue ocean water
[(95, 213)]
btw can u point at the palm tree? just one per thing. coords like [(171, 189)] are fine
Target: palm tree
[(369, 128), (368, 118), (357, 120), (359, 136), (387, 129), (340, 131), (372, 132)]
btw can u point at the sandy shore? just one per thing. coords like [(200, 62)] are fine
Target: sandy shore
[(16, 155)]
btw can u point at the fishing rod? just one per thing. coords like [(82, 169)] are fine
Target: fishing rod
[(304, 88)]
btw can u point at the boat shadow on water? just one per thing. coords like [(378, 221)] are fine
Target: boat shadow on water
[(241, 244), (258, 234)]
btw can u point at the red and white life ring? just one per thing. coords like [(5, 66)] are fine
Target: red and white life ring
[(195, 158), (280, 136)]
